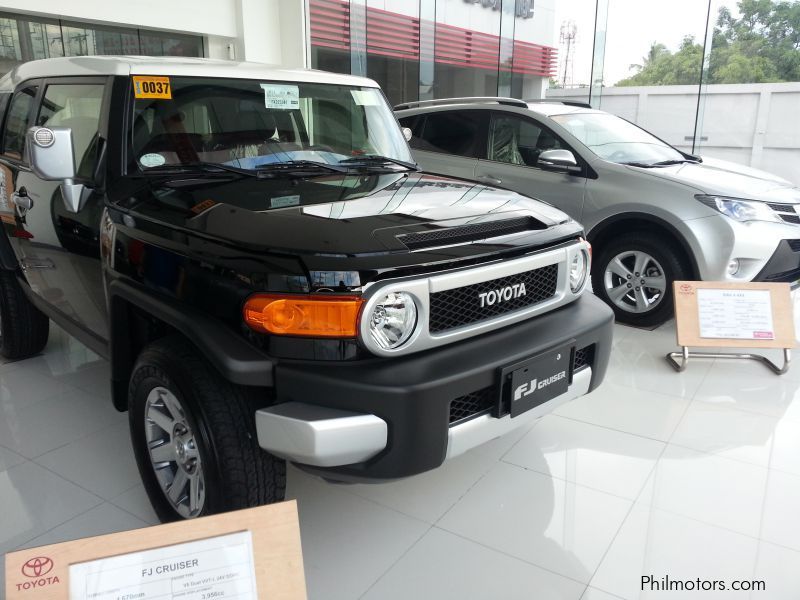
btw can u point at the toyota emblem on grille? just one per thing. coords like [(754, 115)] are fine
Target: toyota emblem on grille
[(37, 567), (503, 294)]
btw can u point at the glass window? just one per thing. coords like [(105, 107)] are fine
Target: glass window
[(17, 123), (451, 132), (392, 47), (77, 106), (616, 139), (170, 44), (241, 123), (519, 141), (45, 40)]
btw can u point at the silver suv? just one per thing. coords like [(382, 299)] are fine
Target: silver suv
[(653, 213)]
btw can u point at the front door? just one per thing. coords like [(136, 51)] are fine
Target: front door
[(59, 250), (449, 142), (515, 143)]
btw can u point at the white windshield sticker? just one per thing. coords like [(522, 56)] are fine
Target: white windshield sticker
[(282, 97), (369, 97), (152, 160), (282, 201)]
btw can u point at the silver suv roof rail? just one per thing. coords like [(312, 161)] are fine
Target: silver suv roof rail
[(564, 102), (471, 100)]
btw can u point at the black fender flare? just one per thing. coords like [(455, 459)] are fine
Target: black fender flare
[(236, 360), (654, 223)]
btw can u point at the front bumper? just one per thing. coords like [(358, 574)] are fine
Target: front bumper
[(393, 417), (757, 246)]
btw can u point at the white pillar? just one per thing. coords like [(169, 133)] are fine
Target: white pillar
[(273, 31)]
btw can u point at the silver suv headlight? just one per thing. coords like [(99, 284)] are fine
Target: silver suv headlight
[(392, 320), (740, 210)]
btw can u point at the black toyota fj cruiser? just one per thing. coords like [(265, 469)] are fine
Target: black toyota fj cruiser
[(272, 279)]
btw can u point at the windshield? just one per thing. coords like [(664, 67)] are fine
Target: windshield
[(253, 124), (616, 139)]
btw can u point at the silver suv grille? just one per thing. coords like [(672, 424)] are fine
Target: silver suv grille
[(786, 212), (462, 306)]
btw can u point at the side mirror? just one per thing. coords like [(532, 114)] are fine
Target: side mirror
[(407, 134), (559, 160), (52, 158)]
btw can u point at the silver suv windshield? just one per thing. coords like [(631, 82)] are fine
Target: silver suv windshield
[(253, 124), (616, 140)]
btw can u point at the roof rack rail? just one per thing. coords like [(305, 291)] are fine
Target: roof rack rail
[(564, 102), (470, 100)]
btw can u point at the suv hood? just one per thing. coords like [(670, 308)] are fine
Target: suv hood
[(714, 176), (352, 215)]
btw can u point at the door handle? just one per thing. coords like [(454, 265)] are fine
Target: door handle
[(489, 179), (22, 201)]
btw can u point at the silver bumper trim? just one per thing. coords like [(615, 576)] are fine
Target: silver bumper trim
[(482, 429), (320, 436)]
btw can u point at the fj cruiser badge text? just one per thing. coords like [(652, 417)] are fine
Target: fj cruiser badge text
[(502, 294), (526, 389)]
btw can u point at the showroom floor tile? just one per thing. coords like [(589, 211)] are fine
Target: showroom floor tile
[(656, 473)]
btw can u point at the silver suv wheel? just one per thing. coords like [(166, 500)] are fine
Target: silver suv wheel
[(174, 453), (634, 281)]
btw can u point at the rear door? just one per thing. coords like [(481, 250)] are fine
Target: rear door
[(59, 250), (514, 145), (448, 142)]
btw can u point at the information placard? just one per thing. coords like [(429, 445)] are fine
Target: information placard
[(247, 555), (736, 315)]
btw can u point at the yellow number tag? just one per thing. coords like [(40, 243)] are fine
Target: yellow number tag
[(152, 87)]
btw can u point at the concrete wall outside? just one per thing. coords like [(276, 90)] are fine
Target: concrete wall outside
[(755, 124)]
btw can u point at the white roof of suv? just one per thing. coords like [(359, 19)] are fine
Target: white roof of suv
[(171, 66)]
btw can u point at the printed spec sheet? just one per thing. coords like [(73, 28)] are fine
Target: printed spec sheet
[(218, 568), (735, 314)]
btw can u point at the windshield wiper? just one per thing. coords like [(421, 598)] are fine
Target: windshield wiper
[(302, 168), (674, 161), (194, 168), (375, 159), (634, 163), (660, 163)]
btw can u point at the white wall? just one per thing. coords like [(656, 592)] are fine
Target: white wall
[(208, 17), (271, 31), (752, 124)]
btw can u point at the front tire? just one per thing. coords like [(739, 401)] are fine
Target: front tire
[(24, 329), (633, 274), (194, 436)]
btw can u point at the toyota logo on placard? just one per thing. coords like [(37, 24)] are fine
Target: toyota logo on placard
[(37, 567)]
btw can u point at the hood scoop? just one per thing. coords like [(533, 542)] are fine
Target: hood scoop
[(446, 236)]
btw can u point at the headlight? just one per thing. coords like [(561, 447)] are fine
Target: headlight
[(578, 269), (392, 320), (740, 210)]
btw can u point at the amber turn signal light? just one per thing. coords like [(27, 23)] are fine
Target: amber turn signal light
[(306, 315)]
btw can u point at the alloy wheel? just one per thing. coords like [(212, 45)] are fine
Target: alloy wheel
[(635, 281), (173, 452)]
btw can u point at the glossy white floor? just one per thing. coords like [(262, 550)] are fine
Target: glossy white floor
[(693, 475)]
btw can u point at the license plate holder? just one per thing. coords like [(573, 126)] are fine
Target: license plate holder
[(533, 381)]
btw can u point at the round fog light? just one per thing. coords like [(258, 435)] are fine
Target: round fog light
[(733, 266), (393, 320), (577, 271)]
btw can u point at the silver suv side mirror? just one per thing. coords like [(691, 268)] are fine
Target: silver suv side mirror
[(561, 160), (52, 158)]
